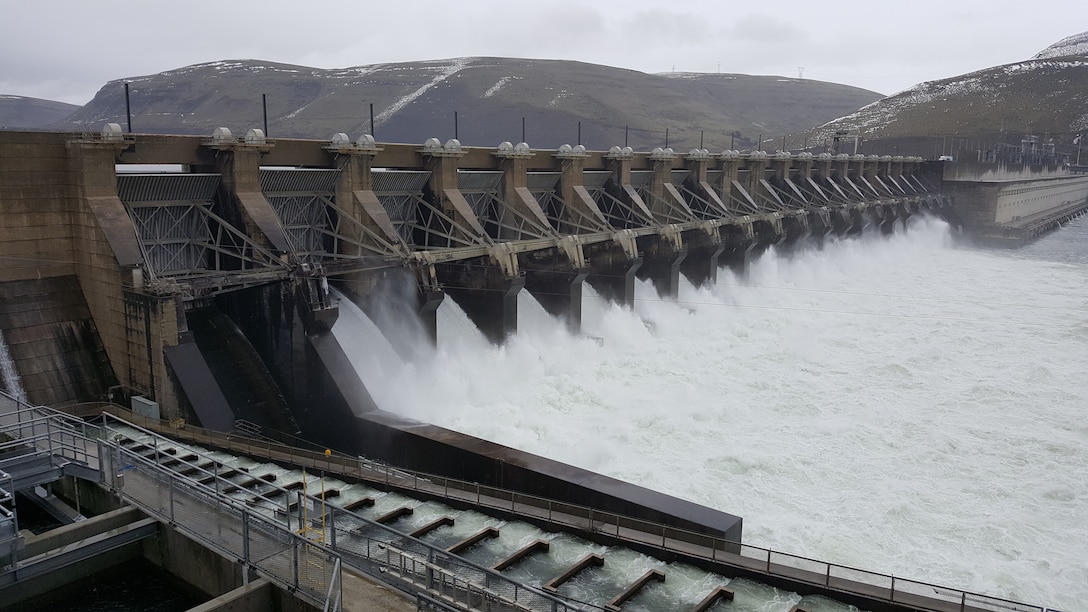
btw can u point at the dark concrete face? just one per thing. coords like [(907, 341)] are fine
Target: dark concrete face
[(560, 293), (617, 284), (53, 341)]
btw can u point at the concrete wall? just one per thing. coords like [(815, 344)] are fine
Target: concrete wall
[(1030, 198), (61, 216), (984, 205)]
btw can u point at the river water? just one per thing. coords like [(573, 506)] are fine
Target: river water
[(905, 404)]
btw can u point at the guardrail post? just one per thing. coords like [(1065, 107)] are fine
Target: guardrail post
[(294, 560), (332, 526), (171, 486), (827, 580), (963, 601), (245, 538), (892, 594), (768, 561)]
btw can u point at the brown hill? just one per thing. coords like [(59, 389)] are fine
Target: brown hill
[(417, 100), (20, 112), (1046, 96)]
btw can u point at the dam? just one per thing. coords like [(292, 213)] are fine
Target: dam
[(219, 251)]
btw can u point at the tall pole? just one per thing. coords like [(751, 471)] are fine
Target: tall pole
[(666, 138), (732, 141), (700, 139), (783, 144), (625, 135), (372, 119), (128, 109), (455, 126), (264, 111), (1079, 137), (523, 129), (579, 133)]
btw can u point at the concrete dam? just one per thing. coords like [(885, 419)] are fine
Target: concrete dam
[(202, 294)]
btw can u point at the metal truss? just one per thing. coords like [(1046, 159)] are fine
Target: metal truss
[(563, 218), (668, 211), (500, 221), (617, 213), (419, 224), (177, 232), (317, 229), (703, 208)]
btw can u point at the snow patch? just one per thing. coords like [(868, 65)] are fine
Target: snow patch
[(445, 72), (499, 85), (1076, 44)]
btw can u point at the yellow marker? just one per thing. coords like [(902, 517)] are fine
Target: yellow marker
[(328, 452)]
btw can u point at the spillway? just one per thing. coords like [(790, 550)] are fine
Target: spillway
[(8, 375), (898, 403)]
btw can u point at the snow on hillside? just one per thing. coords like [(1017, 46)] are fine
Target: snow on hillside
[(982, 85), (1076, 44)]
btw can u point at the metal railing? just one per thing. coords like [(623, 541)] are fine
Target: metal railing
[(418, 566), (308, 569), (886, 587), (360, 543)]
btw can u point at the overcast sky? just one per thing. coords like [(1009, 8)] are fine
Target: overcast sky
[(67, 49)]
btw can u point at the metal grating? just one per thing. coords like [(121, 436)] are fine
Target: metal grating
[(543, 181), (679, 176), (309, 180), (595, 179), (166, 187), (478, 181), (399, 182), (641, 178)]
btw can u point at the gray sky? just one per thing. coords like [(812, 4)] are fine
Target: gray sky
[(67, 49)]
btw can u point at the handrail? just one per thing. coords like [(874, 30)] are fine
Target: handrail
[(774, 563), (771, 562), (431, 569), (332, 604)]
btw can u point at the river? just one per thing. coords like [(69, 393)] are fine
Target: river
[(906, 404)]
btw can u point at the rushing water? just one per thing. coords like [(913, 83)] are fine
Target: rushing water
[(10, 376), (900, 404)]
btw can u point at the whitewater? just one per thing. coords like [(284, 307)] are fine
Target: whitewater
[(904, 404)]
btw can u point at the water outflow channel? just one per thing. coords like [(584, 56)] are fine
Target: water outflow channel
[(370, 521)]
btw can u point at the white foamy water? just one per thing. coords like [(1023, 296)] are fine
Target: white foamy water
[(897, 404), (12, 382)]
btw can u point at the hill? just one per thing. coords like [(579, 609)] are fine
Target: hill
[(1046, 96), (19, 112), (414, 101)]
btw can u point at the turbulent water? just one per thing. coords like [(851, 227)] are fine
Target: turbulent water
[(900, 404), (12, 383)]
